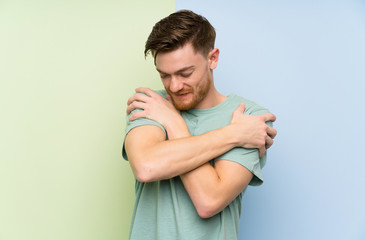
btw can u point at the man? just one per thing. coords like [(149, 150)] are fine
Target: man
[(191, 149)]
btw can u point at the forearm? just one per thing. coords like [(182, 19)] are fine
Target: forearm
[(204, 188), (204, 184), (210, 187), (167, 159)]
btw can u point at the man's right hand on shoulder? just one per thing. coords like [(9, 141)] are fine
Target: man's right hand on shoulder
[(155, 107)]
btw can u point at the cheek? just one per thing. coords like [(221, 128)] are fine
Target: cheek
[(197, 79), (166, 83), (203, 79)]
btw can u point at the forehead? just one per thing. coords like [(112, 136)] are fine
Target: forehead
[(180, 58)]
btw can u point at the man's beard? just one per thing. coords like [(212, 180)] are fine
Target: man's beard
[(198, 95)]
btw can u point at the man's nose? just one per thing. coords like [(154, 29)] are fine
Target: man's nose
[(175, 84)]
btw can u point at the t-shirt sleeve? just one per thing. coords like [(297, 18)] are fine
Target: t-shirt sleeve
[(249, 158), (137, 123)]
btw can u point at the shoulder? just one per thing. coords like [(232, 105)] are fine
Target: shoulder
[(251, 107), (161, 92), (143, 121)]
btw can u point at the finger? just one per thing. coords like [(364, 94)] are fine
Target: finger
[(146, 91), (136, 115), (241, 107), (262, 151), (239, 110), (135, 105), (138, 97), (268, 142), (269, 117), (271, 132), (130, 100)]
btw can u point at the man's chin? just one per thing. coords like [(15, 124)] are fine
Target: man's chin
[(183, 106)]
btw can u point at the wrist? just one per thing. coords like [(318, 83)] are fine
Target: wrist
[(177, 128), (232, 136)]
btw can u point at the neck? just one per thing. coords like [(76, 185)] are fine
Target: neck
[(212, 99)]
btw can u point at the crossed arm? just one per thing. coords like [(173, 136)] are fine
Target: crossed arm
[(211, 188)]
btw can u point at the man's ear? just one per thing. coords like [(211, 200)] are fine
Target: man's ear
[(213, 57)]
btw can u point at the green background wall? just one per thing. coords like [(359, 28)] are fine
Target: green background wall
[(66, 71)]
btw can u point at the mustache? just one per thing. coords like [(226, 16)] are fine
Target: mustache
[(181, 92)]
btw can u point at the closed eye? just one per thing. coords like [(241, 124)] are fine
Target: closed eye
[(186, 75), (163, 76)]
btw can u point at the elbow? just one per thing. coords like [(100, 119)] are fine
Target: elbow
[(208, 209), (143, 177), (205, 214), (144, 173)]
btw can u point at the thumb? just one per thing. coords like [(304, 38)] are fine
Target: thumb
[(239, 111), (241, 108)]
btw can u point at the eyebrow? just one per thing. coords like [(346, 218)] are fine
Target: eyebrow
[(178, 71)]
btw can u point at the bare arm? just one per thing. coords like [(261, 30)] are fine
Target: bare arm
[(211, 188), (254, 133), (153, 158)]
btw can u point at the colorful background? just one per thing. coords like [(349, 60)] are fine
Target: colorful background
[(68, 67)]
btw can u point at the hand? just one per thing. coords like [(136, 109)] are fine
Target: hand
[(254, 133), (156, 108)]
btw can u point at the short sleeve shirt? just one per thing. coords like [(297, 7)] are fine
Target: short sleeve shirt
[(164, 210)]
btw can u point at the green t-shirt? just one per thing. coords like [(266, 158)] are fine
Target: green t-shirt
[(163, 209)]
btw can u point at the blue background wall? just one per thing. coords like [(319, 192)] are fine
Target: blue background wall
[(304, 60)]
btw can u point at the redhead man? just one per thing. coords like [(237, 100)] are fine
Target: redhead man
[(192, 150)]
